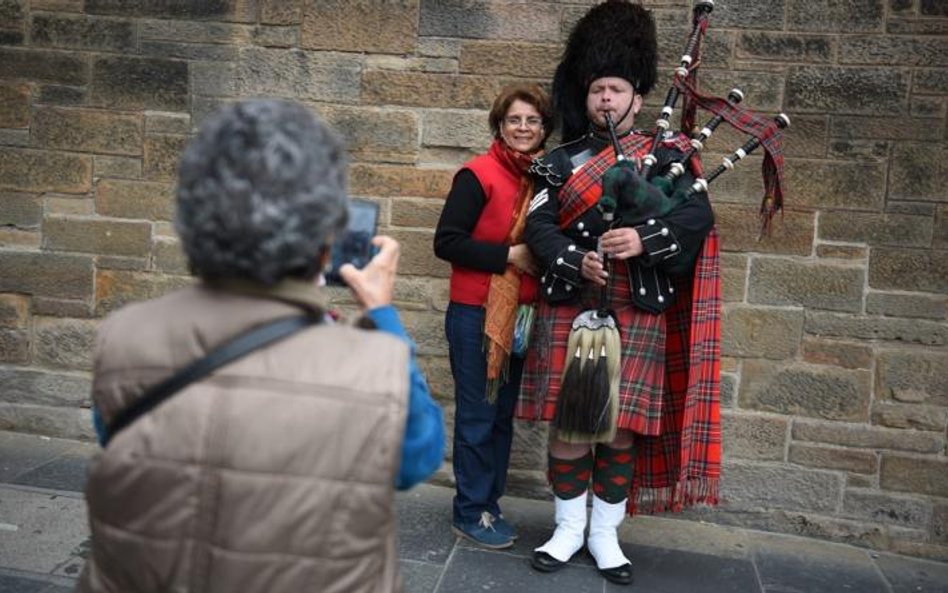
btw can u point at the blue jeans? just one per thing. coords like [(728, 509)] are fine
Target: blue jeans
[(483, 432)]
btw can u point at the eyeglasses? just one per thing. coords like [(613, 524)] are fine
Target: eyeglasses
[(530, 122)]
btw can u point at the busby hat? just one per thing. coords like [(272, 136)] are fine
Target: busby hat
[(615, 38)]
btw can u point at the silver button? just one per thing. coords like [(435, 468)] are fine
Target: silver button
[(580, 225)]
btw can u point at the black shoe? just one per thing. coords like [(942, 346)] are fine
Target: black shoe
[(546, 563), (620, 575)]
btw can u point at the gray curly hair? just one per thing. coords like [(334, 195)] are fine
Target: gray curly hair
[(261, 190)]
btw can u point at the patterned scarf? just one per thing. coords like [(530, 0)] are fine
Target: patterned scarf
[(504, 291)]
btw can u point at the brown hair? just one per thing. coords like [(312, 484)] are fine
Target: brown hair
[(529, 93)]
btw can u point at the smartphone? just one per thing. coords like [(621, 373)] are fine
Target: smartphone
[(354, 246)]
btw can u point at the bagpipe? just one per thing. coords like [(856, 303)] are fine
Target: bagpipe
[(587, 409)]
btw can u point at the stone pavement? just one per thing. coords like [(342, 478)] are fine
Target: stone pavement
[(43, 539)]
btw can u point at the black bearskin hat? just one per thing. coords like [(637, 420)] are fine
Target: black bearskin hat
[(615, 38)]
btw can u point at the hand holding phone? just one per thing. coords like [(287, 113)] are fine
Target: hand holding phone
[(354, 246), (374, 285)]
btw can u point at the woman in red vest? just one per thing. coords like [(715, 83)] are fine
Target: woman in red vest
[(492, 273)]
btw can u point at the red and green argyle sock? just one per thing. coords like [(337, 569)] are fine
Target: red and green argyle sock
[(569, 477), (612, 475)]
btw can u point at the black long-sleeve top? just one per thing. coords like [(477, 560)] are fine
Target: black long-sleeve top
[(453, 241)]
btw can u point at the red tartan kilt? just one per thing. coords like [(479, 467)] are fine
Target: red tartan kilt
[(642, 375)]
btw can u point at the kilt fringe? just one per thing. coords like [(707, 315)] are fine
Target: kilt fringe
[(684, 494)]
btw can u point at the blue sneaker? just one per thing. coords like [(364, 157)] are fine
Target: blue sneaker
[(483, 532), (502, 526)]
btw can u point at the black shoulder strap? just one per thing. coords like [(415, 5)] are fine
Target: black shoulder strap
[(236, 347)]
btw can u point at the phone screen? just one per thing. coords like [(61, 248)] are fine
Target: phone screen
[(354, 246)]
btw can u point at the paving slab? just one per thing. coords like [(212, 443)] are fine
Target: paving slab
[(478, 570), (66, 472), (424, 528), (911, 575), (20, 453), (421, 577), (40, 530), (660, 570), (788, 564)]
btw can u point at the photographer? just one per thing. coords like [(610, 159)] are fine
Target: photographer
[(276, 471)]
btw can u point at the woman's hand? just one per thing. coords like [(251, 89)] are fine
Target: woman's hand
[(374, 284), (622, 243), (519, 255), (592, 270)]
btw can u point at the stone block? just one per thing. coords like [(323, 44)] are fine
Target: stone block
[(869, 91), (762, 87), (940, 238), (11, 11), (751, 436), (852, 460), (14, 311), (913, 331), (117, 166), (157, 122), (413, 294), (717, 49), (210, 52), (437, 371), (940, 523), (933, 8), (830, 251), (913, 376), (756, 332), (299, 75), (857, 126), (791, 233), (276, 36), (896, 304), (918, 269), (767, 45), (394, 180), (482, 19), (86, 130), (119, 262), (65, 343), (866, 437), (215, 79), (361, 25), (189, 31), (44, 66), (929, 107), (417, 255), (114, 288), (812, 285), (67, 423), (427, 330), (46, 274), (360, 127), (876, 229), (54, 307), (762, 486), (57, 5), (807, 138), (28, 386), (835, 353), (418, 213), (280, 12), (509, 58), (52, 94), (747, 14), (12, 237), (44, 171), (933, 81), (24, 211), (97, 236), (920, 475), (911, 416), (728, 390), (800, 389), (55, 204), (832, 16), (891, 50), (843, 185), (14, 106), (386, 87), (86, 33), (905, 180), (880, 507), (455, 127), (14, 346), (161, 156), (873, 150), (733, 277), (241, 11), (169, 258), (124, 82), (529, 450), (135, 199)]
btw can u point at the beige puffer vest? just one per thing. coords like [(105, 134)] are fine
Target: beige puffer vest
[(275, 474)]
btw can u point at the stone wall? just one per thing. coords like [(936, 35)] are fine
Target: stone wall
[(835, 377)]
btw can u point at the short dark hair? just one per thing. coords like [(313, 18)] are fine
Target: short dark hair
[(261, 192), (530, 93)]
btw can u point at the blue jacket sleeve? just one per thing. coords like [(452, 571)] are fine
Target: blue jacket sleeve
[(423, 447)]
